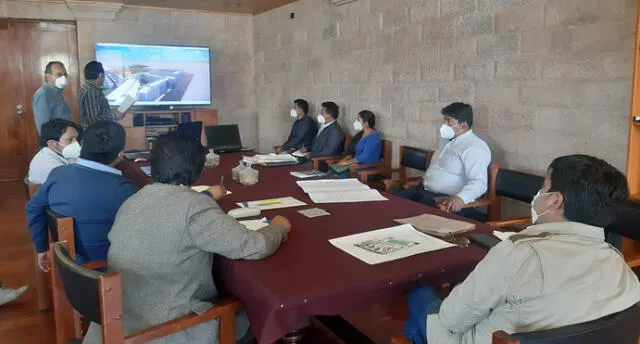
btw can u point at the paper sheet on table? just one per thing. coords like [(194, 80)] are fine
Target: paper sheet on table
[(387, 244), (503, 235), (254, 225), (351, 196), (200, 188), (273, 203), (126, 104), (299, 154), (307, 174), (269, 158), (335, 185)]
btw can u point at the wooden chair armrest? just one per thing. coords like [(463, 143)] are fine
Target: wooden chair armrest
[(501, 337), (411, 182), (95, 265), (328, 159), (224, 308), (512, 222), (357, 167), (478, 203), (364, 175), (399, 340)]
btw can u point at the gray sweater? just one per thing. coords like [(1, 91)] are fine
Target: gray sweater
[(162, 243)]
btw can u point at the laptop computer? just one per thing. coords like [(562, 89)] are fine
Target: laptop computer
[(224, 138)]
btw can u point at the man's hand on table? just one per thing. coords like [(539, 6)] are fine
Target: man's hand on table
[(217, 191), (281, 221), (450, 204)]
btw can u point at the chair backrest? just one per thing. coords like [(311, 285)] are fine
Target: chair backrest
[(193, 129), (416, 158), (61, 229), (618, 328), (81, 285), (386, 154), (517, 185), (626, 223)]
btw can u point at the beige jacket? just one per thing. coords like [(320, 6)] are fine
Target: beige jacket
[(568, 276)]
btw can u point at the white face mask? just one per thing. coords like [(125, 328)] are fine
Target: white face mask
[(61, 82), (357, 125), (293, 113), (321, 119), (534, 214), (447, 132), (72, 151)]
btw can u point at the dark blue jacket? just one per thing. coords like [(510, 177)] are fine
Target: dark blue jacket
[(302, 133), (330, 142), (91, 197)]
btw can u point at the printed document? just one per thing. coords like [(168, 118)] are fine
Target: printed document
[(388, 244), (350, 196), (326, 185)]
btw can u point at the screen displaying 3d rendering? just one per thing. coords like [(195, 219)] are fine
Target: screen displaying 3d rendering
[(156, 75)]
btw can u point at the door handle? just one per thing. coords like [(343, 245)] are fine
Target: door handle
[(19, 109)]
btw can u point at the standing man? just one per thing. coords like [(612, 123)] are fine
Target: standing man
[(48, 102), (92, 102)]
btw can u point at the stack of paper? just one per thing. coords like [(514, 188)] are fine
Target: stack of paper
[(275, 203), (384, 245), (269, 158), (339, 191), (307, 174), (201, 188)]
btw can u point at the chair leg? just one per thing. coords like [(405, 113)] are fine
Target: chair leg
[(43, 291), (227, 323)]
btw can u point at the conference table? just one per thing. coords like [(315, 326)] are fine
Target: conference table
[(307, 275)]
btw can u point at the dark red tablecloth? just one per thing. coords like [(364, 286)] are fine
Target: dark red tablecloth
[(309, 276)]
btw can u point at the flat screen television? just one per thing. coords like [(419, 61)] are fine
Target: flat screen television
[(156, 75)]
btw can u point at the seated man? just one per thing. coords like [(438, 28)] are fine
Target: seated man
[(303, 130), (90, 191), (557, 272), (164, 240), (59, 141), (330, 138), (457, 174)]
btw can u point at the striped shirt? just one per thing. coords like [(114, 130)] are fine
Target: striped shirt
[(93, 105)]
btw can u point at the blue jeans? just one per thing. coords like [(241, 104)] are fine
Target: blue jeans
[(422, 302)]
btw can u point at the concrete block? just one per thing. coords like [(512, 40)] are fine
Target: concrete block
[(546, 41), (519, 69), (599, 67), (546, 93), (612, 96), (457, 7), (405, 111), (396, 17), (574, 12), (498, 46), (442, 71), (406, 73), (382, 74), (516, 19), (456, 91), (518, 119), (394, 93), (459, 49), (331, 31), (438, 29), (474, 71), (349, 94), (420, 10), (474, 25), (423, 93), (603, 36), (370, 93), (493, 93)]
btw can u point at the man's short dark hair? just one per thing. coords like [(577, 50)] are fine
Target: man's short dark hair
[(48, 68), (332, 109), (302, 104), (55, 128), (177, 159), (103, 141), (460, 111), (593, 190), (92, 70), (368, 117)]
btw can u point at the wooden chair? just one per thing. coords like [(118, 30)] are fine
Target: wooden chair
[(43, 295), (410, 157), (361, 171), (618, 328), (626, 225), (98, 297), (515, 185)]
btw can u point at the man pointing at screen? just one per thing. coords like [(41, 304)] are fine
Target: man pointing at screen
[(92, 102)]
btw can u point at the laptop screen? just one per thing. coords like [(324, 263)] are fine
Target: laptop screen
[(223, 135)]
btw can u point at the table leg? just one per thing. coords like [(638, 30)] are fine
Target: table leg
[(295, 336)]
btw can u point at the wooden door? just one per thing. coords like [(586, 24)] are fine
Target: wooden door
[(26, 46)]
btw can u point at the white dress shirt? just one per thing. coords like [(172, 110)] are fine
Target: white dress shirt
[(565, 276), (459, 167), (42, 164)]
